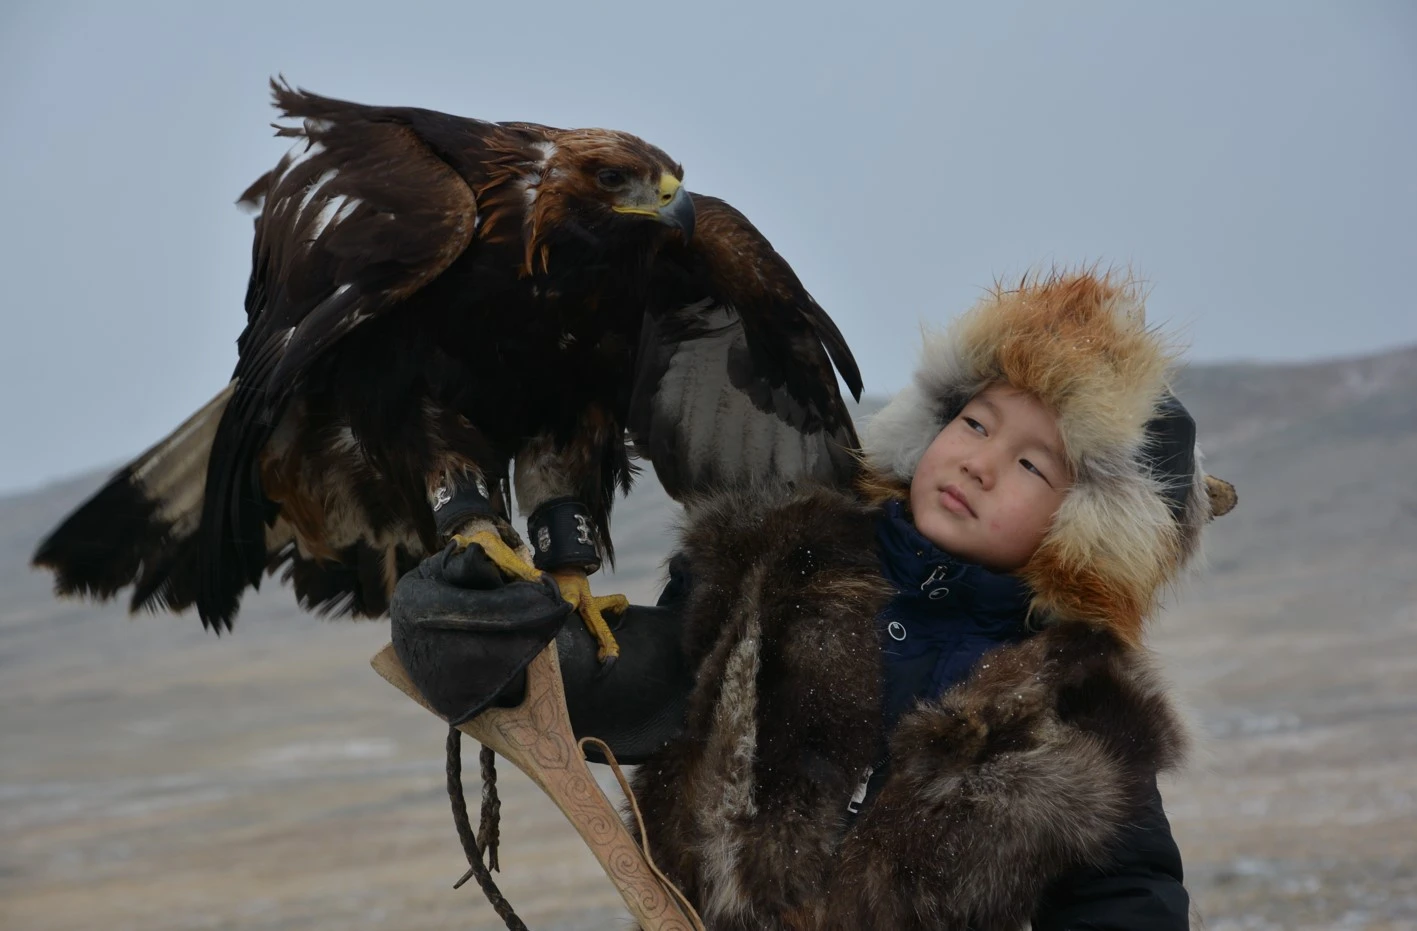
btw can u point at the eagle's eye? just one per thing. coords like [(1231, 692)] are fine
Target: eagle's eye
[(612, 179)]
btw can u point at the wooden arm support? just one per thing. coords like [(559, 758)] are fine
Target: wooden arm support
[(536, 736)]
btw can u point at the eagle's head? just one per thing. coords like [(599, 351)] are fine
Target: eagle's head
[(603, 183)]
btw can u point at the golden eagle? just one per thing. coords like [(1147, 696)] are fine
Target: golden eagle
[(437, 301)]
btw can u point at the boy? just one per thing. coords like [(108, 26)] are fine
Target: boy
[(922, 703)]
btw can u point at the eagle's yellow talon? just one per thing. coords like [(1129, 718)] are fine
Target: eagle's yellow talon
[(501, 554), (575, 588)]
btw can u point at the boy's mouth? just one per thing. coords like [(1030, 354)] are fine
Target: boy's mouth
[(954, 500)]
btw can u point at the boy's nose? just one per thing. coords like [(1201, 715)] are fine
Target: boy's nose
[(980, 469)]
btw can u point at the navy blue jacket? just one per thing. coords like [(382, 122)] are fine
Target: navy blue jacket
[(946, 615)]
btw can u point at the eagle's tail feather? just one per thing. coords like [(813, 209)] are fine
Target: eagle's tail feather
[(139, 529)]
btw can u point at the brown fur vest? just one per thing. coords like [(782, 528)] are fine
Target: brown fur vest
[(1021, 772)]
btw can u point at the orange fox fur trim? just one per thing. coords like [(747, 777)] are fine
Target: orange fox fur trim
[(1079, 342)]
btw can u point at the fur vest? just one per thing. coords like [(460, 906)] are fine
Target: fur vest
[(1024, 770), (1027, 768)]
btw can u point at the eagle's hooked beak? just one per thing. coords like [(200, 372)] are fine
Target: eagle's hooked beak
[(676, 206), (673, 206)]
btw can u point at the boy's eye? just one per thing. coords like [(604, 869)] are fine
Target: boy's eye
[(975, 425), (1034, 469)]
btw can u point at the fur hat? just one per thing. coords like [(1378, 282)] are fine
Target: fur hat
[(1079, 342)]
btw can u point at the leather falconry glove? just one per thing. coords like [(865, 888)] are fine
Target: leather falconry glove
[(466, 635)]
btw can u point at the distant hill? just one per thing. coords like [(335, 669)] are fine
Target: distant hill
[(155, 777)]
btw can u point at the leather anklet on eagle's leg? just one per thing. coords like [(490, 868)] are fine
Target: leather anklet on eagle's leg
[(476, 868), (562, 537)]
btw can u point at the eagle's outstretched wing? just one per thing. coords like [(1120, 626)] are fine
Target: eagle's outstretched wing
[(360, 214), (734, 379), (365, 210)]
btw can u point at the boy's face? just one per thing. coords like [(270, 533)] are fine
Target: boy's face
[(989, 485)]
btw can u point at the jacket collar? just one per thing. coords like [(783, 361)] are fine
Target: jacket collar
[(929, 581)]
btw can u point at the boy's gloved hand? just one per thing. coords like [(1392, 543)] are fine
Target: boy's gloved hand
[(466, 635)]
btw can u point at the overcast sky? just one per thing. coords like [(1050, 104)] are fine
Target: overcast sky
[(1255, 162)]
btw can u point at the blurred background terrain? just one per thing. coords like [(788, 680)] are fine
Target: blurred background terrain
[(154, 777)]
